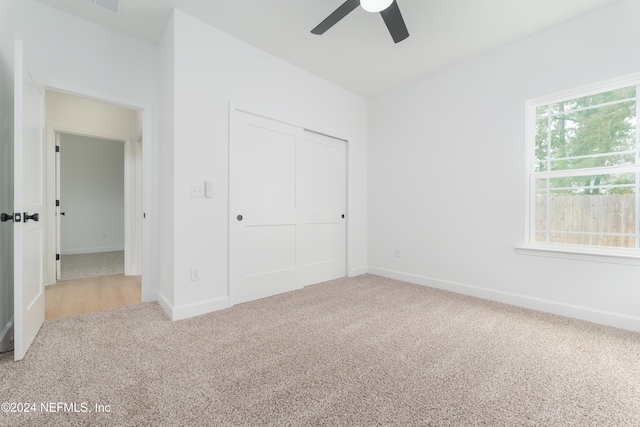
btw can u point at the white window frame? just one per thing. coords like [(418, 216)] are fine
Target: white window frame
[(580, 252)]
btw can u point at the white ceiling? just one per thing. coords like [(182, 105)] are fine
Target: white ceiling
[(358, 53)]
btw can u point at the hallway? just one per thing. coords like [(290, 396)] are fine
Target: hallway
[(88, 295)]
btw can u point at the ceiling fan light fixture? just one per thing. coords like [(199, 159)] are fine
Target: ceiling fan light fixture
[(388, 9), (375, 5)]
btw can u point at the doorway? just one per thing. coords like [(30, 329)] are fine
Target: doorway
[(90, 226), (95, 151)]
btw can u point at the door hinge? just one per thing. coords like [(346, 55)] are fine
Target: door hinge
[(57, 202), (57, 148), (57, 257)]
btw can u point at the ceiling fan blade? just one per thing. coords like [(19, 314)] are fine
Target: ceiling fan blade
[(336, 16), (393, 18)]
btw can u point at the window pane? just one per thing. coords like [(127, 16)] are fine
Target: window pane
[(587, 171), (604, 219), (542, 144), (593, 131), (590, 184)]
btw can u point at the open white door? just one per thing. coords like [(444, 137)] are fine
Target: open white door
[(29, 249)]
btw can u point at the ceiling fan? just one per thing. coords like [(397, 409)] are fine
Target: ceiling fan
[(388, 9)]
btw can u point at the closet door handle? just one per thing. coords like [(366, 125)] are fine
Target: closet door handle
[(6, 217)]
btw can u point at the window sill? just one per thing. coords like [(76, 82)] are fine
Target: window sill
[(570, 252)]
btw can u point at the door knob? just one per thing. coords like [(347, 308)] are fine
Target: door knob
[(34, 217), (239, 217), (6, 217)]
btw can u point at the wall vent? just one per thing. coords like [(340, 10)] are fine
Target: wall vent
[(110, 5)]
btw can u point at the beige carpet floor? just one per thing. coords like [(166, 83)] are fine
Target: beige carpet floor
[(366, 351), (84, 266)]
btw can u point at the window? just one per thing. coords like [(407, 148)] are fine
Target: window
[(584, 169)]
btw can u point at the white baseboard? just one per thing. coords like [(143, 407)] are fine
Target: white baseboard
[(358, 271), (79, 251), (568, 310), (165, 304), (191, 310), (154, 296), (5, 335), (149, 296), (197, 309)]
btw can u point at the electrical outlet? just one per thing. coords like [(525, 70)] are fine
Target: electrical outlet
[(195, 274), (197, 190)]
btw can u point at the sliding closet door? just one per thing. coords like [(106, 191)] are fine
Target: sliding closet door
[(324, 208), (287, 200), (265, 218)]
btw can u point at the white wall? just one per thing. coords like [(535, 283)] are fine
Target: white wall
[(166, 152), (6, 171), (91, 195), (77, 56), (212, 69), (447, 172), (89, 117)]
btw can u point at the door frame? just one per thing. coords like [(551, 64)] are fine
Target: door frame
[(146, 163), (234, 108), (131, 226)]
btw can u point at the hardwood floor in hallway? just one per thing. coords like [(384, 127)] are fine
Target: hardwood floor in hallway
[(73, 297)]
